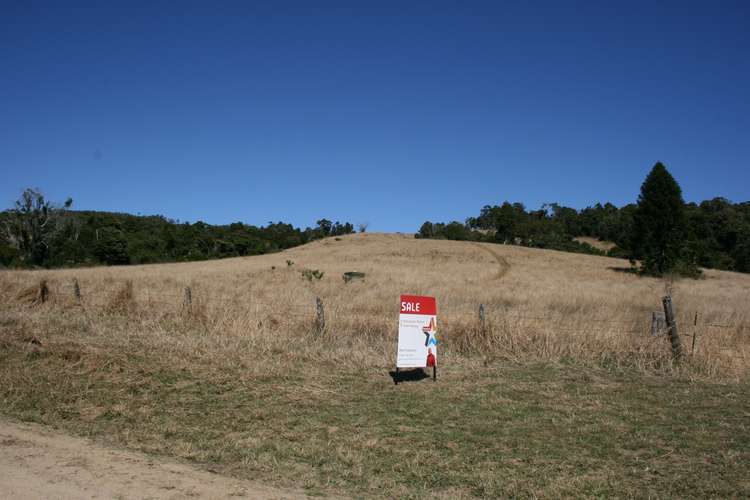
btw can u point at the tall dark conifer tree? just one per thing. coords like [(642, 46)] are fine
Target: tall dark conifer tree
[(658, 232)]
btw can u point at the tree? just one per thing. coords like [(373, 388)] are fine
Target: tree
[(456, 231), (8, 255), (324, 227), (426, 231), (32, 225), (742, 253), (658, 232), (111, 246), (507, 219)]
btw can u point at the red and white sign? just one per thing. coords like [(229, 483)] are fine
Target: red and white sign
[(417, 330)]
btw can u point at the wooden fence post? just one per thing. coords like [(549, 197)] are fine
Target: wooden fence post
[(188, 301), (695, 333), (43, 294), (657, 323), (77, 290), (481, 317), (320, 319), (674, 336)]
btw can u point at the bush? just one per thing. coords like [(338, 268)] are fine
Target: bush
[(310, 274)]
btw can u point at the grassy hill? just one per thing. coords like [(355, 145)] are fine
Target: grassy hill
[(562, 391)]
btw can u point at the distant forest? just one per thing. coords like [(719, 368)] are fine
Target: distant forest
[(717, 231), (37, 233)]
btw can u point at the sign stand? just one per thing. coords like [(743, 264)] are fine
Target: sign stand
[(417, 330)]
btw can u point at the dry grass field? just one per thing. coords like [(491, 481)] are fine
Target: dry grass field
[(562, 392)]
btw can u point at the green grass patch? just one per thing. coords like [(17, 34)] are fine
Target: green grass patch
[(498, 431)]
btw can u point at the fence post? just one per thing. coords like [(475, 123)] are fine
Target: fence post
[(320, 319), (657, 323), (481, 315), (43, 291), (188, 301), (695, 333), (77, 290), (674, 336)]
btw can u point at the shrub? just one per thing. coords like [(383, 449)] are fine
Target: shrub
[(310, 274)]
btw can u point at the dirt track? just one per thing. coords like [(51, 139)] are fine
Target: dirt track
[(38, 463), (502, 262)]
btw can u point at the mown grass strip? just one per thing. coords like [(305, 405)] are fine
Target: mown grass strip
[(506, 430)]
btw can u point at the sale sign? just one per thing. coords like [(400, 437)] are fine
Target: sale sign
[(417, 327)]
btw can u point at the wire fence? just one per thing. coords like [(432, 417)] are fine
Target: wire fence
[(315, 308)]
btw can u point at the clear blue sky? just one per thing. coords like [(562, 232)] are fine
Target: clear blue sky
[(387, 113)]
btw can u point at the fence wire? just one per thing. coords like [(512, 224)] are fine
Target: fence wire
[(309, 311)]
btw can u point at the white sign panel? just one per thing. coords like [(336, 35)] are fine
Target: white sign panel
[(417, 328)]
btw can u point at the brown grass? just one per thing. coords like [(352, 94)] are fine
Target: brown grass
[(35, 294), (122, 300), (596, 243), (540, 306)]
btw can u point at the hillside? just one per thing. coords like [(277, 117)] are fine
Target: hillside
[(546, 291), (243, 382)]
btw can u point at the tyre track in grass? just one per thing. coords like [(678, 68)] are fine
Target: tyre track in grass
[(502, 262)]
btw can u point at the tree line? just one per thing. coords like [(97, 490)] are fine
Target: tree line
[(38, 233), (660, 231)]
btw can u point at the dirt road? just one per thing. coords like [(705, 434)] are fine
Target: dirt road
[(38, 463)]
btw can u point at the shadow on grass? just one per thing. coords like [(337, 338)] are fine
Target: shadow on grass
[(626, 270), (413, 375)]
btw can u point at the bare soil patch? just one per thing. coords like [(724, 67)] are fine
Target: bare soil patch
[(36, 462)]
